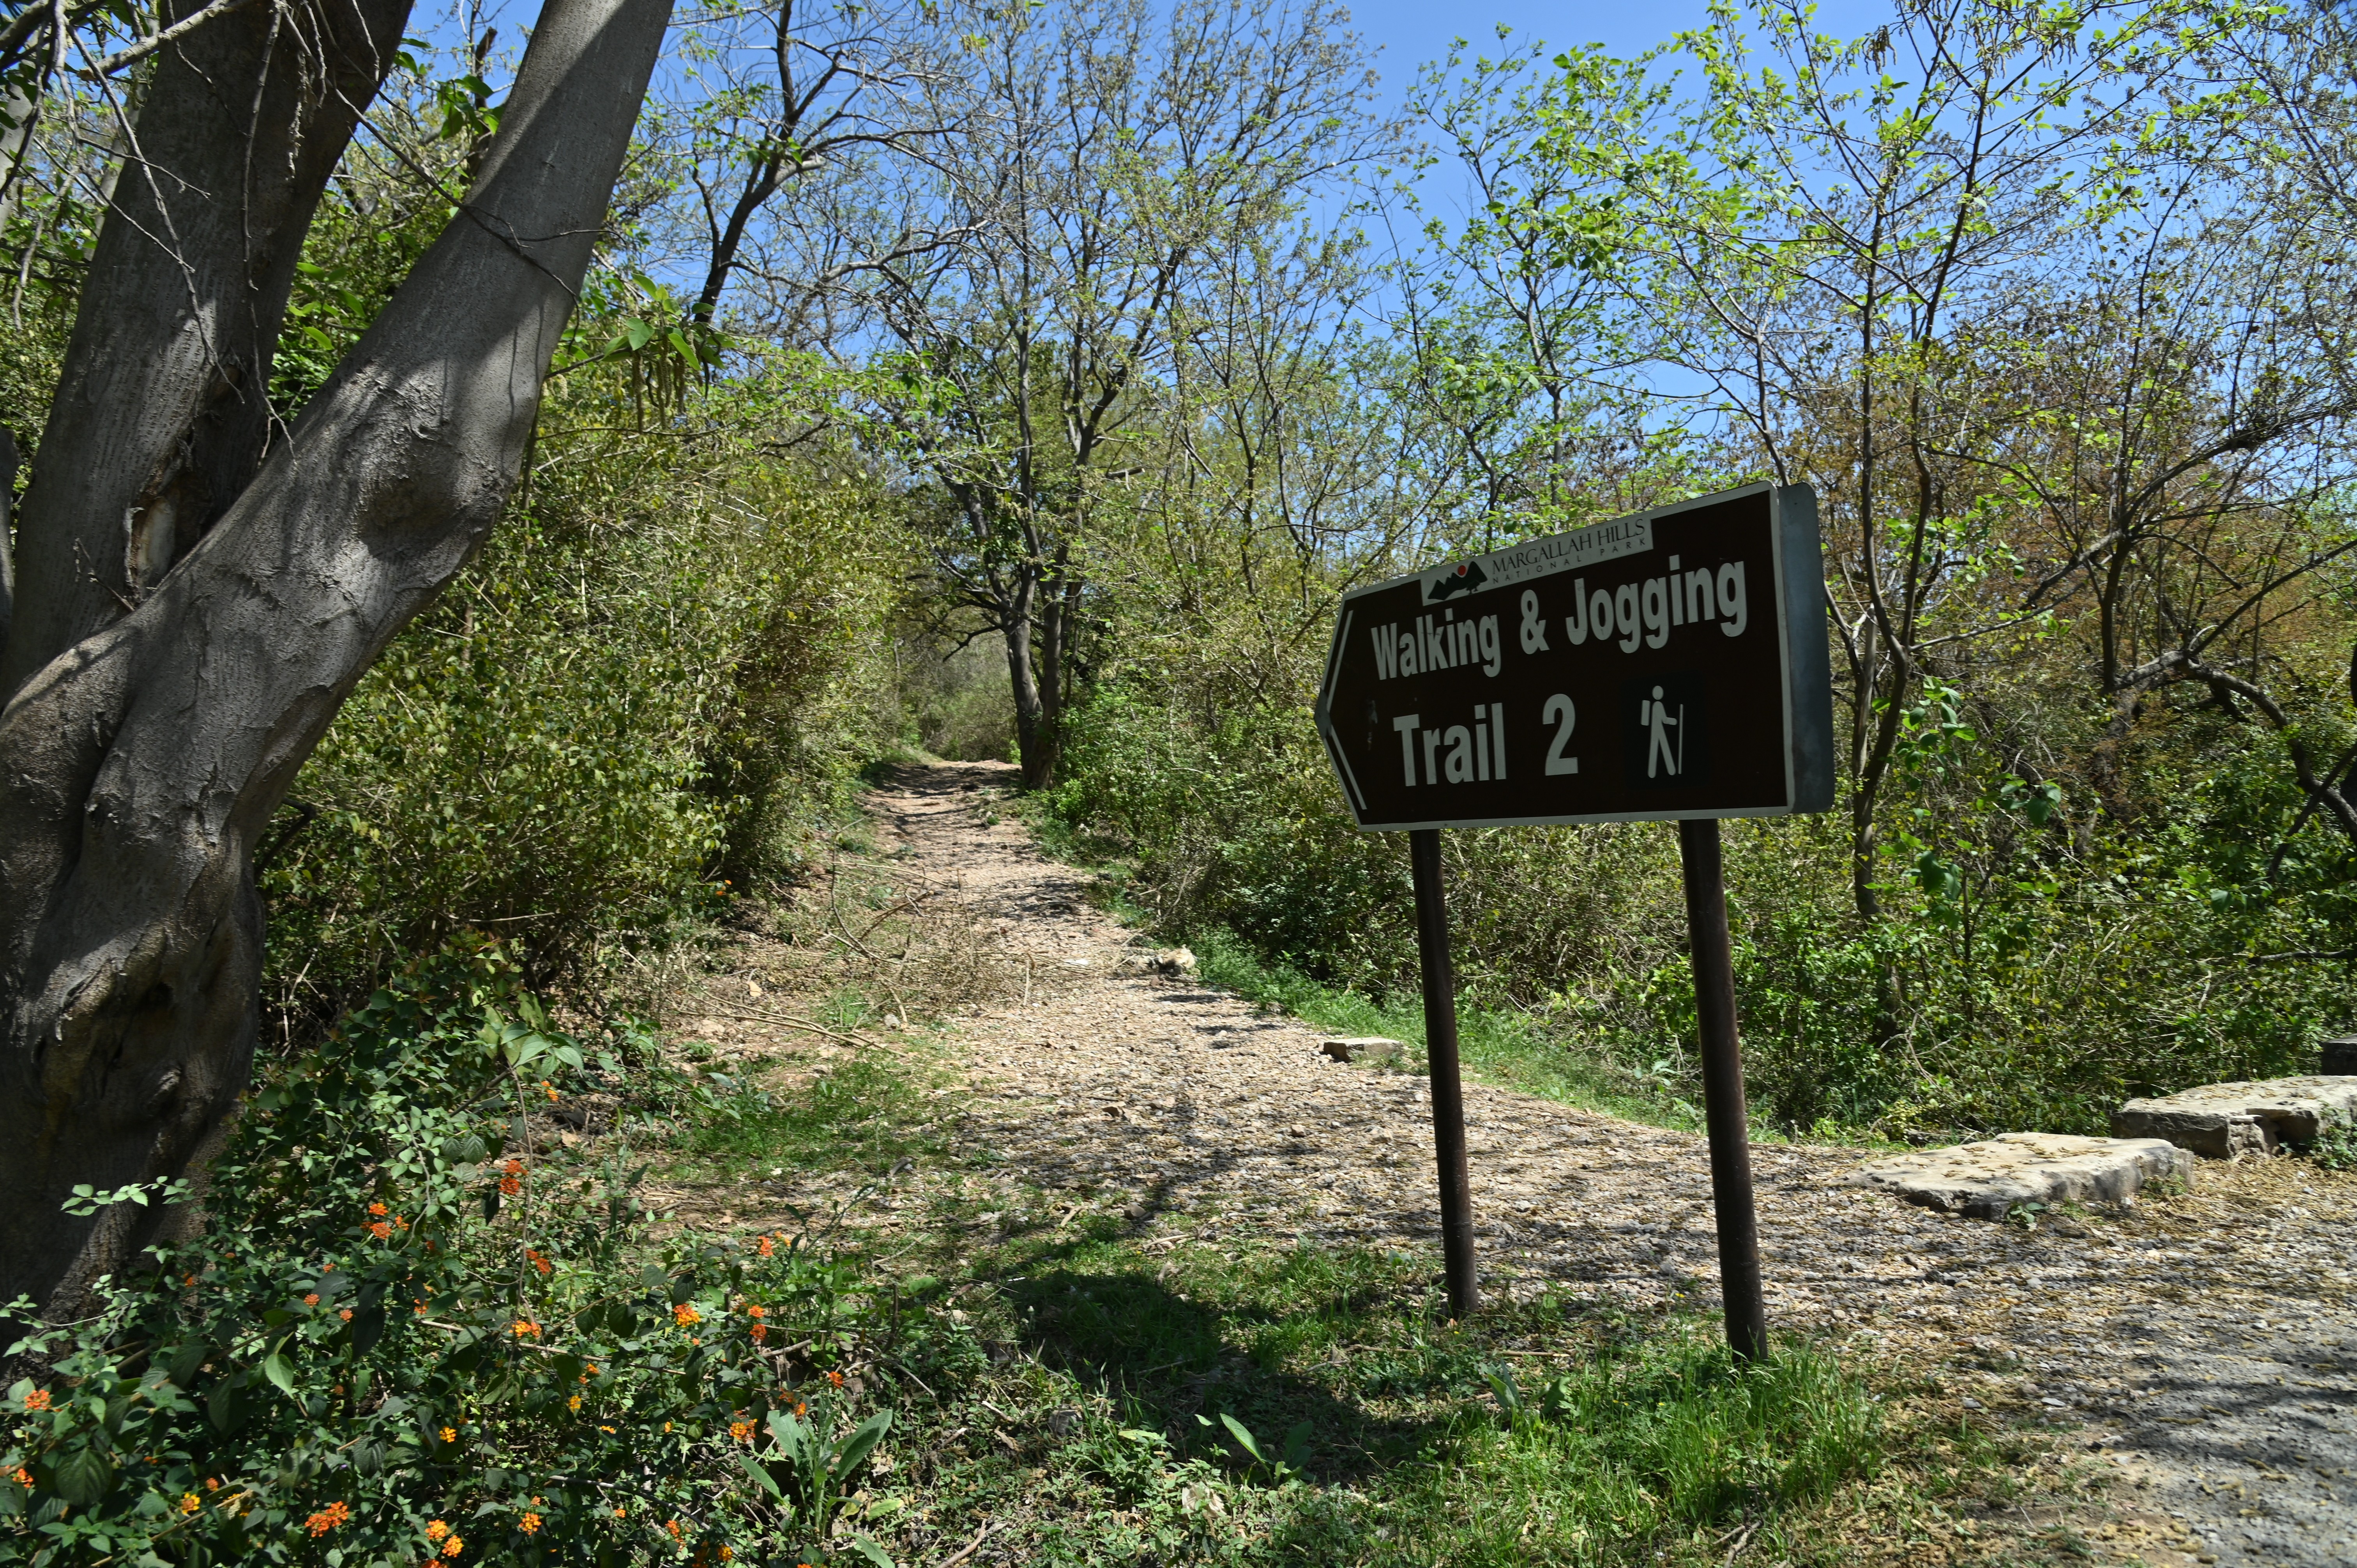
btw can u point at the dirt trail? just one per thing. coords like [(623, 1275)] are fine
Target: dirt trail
[(2204, 1344)]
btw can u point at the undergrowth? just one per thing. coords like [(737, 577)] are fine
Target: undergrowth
[(1079, 1389), (413, 1326)]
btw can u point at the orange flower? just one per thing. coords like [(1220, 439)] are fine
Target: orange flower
[(525, 1328), (607, 1430), (377, 1210), (677, 1533), (621, 1513), (328, 1517), (449, 1435), (686, 1314), (38, 1400), (574, 1405), (312, 1299), (399, 1223), (757, 1310), (836, 1377), (436, 1529), (543, 1264), (452, 1547), (212, 1483), (346, 1315), (726, 1552), (511, 1186), (190, 1502), (529, 1524), (513, 1167), (761, 1332), (800, 1407), (379, 1229), (552, 1091), (24, 1477), (768, 1248), (742, 1431)]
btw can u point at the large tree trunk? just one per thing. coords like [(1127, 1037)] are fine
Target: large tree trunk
[(163, 412), (139, 763)]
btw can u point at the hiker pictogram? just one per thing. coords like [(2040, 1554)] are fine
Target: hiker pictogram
[(1654, 714)]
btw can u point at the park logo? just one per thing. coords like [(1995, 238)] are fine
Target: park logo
[(1664, 739), (1467, 577)]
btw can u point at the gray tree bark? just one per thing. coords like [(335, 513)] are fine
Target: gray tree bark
[(141, 761), (163, 413)]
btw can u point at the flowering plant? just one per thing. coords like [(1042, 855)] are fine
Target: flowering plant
[(404, 1311)]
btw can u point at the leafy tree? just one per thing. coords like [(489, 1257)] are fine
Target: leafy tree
[(200, 580), (1110, 159)]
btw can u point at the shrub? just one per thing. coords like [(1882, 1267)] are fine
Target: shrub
[(658, 674), (2035, 960), (410, 1330)]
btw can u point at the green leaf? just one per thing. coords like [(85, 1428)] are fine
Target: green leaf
[(1296, 1447), (83, 1477), (792, 1437), (226, 1406), (862, 1443), (1243, 1435), (869, 1549), (760, 1474), (185, 1361), (276, 1369)]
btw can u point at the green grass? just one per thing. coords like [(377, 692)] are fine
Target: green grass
[(1413, 1439), (1497, 1048), (870, 1112), (1069, 1382)]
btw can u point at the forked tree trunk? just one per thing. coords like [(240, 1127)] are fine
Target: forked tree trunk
[(140, 761), (161, 413)]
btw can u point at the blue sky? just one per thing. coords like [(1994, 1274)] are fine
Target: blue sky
[(1410, 33)]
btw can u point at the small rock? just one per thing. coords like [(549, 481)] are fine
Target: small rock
[(2224, 1121), (1988, 1180), (1361, 1047), (1062, 1421), (1297, 1131), (1176, 962)]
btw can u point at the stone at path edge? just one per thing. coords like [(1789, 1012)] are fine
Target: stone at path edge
[(1362, 1048), (2223, 1120), (1988, 1180)]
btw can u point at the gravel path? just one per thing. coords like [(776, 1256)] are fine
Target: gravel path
[(2205, 1345)]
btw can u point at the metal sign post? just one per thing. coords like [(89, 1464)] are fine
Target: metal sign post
[(1724, 1111), (1440, 1056), (1671, 665)]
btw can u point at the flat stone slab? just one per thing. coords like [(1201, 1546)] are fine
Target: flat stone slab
[(1362, 1048), (1988, 1180), (2224, 1120)]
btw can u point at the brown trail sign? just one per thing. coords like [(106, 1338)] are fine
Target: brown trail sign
[(1671, 665)]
